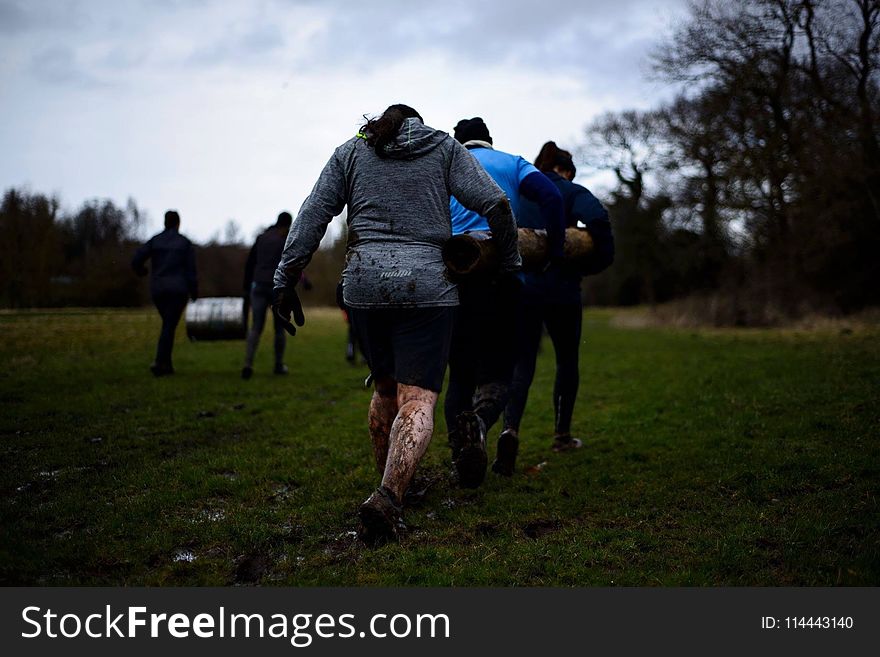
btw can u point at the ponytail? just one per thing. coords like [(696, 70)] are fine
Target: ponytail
[(382, 131), (551, 157)]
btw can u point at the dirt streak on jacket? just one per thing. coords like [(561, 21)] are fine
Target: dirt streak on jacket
[(398, 217)]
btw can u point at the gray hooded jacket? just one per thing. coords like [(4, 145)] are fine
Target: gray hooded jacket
[(398, 217)]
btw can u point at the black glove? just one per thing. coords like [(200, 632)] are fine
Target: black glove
[(284, 302)]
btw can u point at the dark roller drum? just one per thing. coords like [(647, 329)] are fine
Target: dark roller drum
[(216, 318)]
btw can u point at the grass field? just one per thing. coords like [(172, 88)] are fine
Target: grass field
[(735, 457)]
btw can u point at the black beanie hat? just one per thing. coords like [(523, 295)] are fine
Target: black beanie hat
[(468, 129)]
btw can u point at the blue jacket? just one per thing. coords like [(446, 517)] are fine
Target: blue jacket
[(173, 264), (554, 285), (517, 178)]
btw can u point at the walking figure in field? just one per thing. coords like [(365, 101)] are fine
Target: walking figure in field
[(172, 281), (396, 177), (259, 274), (484, 341), (552, 299)]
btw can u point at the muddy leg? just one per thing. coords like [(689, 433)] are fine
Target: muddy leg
[(383, 410), (410, 435)]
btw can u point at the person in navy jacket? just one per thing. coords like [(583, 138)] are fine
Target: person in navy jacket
[(484, 344), (552, 299), (259, 273), (172, 281)]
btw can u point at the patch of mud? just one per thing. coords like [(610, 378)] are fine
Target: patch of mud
[(184, 556), (210, 515), (419, 488), (486, 529), (283, 492), (540, 528), (344, 547), (251, 568), (50, 474)]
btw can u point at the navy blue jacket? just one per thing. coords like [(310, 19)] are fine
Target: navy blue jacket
[(554, 285), (173, 264)]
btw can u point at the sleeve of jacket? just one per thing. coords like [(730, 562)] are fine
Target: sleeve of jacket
[(539, 189), (326, 200), (192, 279), (587, 209), (474, 188), (140, 258)]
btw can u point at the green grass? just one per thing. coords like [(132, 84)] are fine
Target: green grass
[(738, 457)]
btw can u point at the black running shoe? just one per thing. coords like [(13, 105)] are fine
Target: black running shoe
[(281, 369), (247, 372), (381, 518), (471, 461), (505, 456)]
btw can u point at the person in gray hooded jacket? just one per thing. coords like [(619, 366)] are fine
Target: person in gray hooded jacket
[(396, 177)]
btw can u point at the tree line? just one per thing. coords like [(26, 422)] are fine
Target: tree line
[(755, 191), (758, 187), (51, 258)]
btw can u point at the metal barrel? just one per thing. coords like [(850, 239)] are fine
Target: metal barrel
[(216, 318)]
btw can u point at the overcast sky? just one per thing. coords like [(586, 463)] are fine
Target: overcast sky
[(229, 110)]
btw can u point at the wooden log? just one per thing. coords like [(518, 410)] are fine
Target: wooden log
[(472, 253)]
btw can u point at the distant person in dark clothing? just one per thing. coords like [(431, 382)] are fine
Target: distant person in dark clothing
[(258, 276), (552, 299), (172, 281)]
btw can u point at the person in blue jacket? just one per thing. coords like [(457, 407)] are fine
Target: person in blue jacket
[(552, 299), (172, 281), (483, 351)]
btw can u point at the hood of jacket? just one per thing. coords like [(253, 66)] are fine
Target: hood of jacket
[(414, 140)]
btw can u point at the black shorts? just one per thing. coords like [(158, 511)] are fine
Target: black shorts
[(411, 345)]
